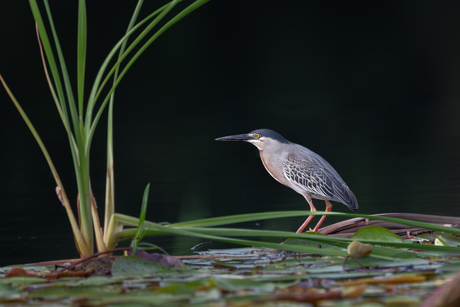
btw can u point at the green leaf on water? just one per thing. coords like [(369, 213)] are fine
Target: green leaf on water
[(310, 243), (377, 234), (82, 281), (142, 300), (65, 291), (448, 239), (135, 266), (22, 280), (7, 291), (231, 284), (184, 287)]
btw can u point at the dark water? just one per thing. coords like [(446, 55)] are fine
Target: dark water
[(372, 88)]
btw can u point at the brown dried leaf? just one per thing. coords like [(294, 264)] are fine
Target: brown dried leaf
[(354, 291), (387, 280), (17, 272)]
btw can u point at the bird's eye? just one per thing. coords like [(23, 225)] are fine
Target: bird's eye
[(257, 135)]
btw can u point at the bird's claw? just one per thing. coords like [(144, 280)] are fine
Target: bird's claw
[(313, 230)]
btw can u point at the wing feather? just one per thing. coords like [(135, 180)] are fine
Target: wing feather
[(309, 176), (316, 176)]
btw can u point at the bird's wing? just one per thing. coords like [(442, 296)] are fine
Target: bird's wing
[(340, 190), (317, 177), (309, 175)]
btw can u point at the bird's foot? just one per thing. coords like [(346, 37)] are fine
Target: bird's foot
[(409, 236)]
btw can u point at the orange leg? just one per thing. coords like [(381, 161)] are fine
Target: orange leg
[(328, 209), (302, 227)]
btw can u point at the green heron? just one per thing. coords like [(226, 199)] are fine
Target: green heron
[(300, 169)]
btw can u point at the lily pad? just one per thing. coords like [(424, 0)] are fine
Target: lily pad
[(184, 287), (310, 243), (94, 291), (7, 291), (377, 234), (135, 266), (229, 284), (447, 239), (22, 280)]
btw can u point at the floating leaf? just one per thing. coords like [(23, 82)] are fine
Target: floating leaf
[(7, 291), (17, 272), (135, 266), (448, 239), (403, 278), (256, 278), (310, 243), (22, 280), (377, 234), (310, 297), (440, 242), (90, 281), (230, 284), (64, 291), (142, 300), (166, 260), (353, 291), (184, 287), (100, 266)]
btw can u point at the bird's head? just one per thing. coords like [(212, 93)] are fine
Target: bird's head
[(261, 138)]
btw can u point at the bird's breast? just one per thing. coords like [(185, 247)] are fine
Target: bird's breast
[(274, 167)]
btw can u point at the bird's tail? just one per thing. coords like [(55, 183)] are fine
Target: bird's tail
[(347, 197), (353, 202)]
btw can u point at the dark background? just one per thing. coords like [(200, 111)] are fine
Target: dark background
[(373, 87)]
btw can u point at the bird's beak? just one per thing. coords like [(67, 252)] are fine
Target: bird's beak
[(238, 137)]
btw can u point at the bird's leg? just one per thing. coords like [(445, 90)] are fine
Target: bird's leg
[(312, 208), (328, 209)]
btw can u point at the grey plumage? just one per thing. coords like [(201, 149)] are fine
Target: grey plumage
[(299, 168), (318, 178)]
